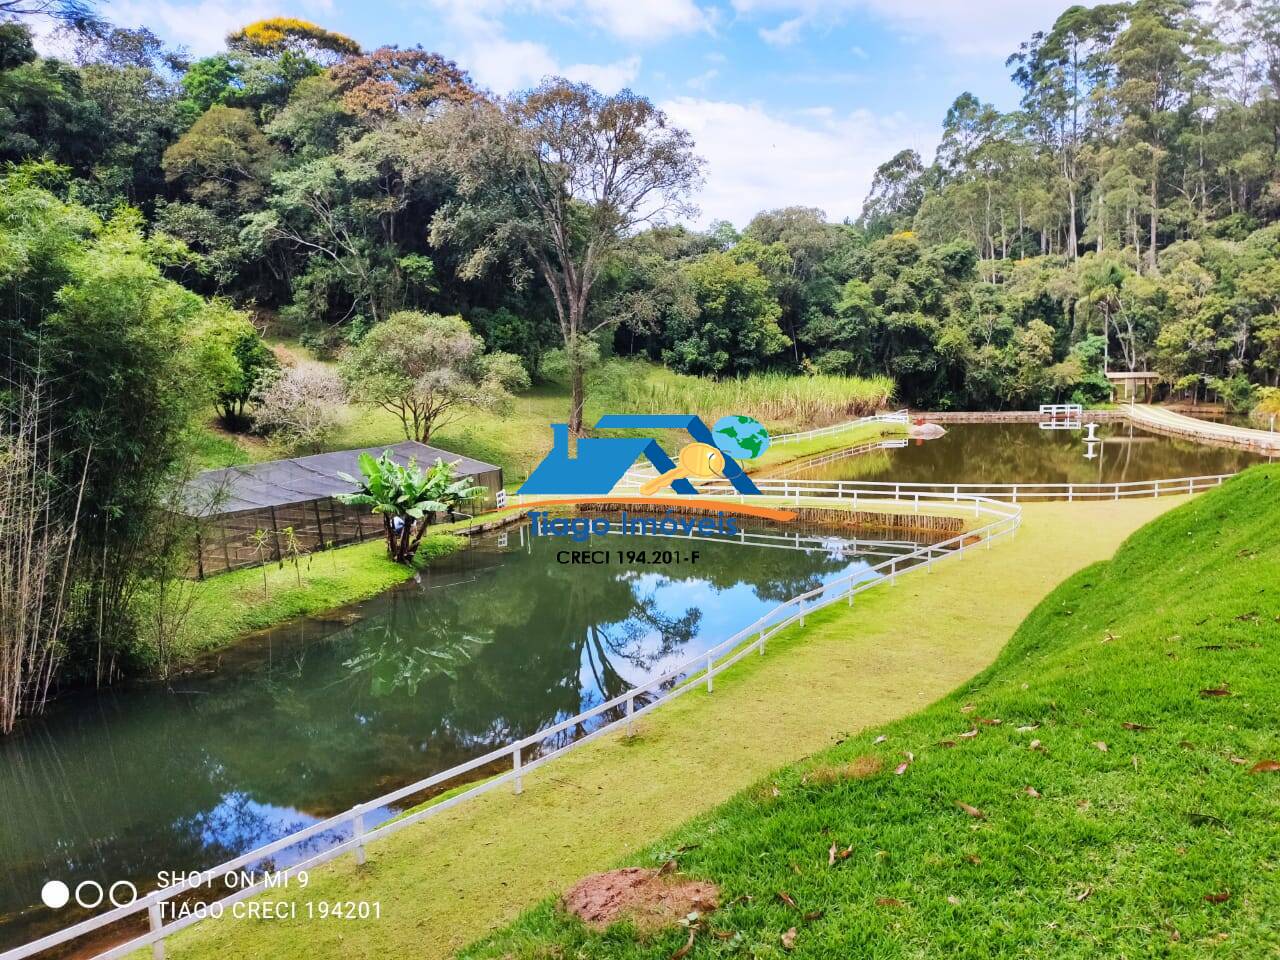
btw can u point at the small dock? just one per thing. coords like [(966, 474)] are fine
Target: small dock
[(1169, 423)]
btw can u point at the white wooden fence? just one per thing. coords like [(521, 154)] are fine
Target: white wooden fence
[(996, 504), (899, 416), (1002, 519)]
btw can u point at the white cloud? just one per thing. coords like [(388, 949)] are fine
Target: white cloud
[(975, 28), (784, 34), (700, 81), (645, 21), (758, 160), (605, 77), (201, 27)]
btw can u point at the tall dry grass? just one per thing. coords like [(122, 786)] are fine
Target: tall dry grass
[(780, 401)]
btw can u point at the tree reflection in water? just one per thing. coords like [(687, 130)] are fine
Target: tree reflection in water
[(494, 645)]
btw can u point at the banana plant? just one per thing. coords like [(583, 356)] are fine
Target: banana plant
[(407, 497)]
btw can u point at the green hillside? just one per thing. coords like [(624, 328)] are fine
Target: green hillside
[(1102, 790)]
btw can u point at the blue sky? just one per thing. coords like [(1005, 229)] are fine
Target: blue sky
[(790, 101)]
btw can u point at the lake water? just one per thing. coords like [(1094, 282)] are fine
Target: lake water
[(494, 644), (1023, 453)]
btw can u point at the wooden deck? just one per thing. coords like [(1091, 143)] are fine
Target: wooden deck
[(1165, 421)]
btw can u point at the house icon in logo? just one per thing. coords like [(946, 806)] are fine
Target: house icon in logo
[(601, 462)]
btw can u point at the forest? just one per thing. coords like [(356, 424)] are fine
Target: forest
[(438, 248)]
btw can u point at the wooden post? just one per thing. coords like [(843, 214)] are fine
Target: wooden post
[(357, 831), (226, 553), (275, 533), (199, 557), (156, 924), (315, 504)]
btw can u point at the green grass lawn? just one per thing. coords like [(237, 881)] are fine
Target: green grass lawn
[(462, 873), (230, 605), (1101, 791)]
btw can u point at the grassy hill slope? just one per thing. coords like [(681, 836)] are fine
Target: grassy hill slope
[(1102, 790)]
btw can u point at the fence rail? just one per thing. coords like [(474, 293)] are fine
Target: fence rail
[(899, 416), (1002, 519), (997, 503)]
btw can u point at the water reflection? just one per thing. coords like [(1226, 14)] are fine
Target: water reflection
[(494, 644), (1023, 453)]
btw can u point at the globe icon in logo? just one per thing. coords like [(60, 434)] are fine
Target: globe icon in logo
[(741, 437)]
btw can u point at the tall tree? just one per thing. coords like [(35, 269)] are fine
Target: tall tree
[(561, 174)]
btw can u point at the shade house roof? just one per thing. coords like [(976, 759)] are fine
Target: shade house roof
[(300, 479)]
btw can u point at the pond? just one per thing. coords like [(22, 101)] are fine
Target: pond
[(493, 644), (1023, 453)]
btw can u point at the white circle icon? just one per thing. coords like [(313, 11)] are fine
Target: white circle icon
[(55, 894)]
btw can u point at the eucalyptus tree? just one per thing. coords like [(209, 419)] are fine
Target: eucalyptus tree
[(558, 177)]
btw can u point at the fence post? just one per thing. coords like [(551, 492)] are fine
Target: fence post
[(710, 676), (275, 533), (515, 765), (631, 710), (357, 831), (315, 504), (156, 924)]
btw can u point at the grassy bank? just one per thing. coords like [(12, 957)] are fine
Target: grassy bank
[(518, 437), (230, 605), (863, 433), (1104, 789), (445, 882)]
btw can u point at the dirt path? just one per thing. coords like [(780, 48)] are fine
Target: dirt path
[(1163, 420), (455, 877)]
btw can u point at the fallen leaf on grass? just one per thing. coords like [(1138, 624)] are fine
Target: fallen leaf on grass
[(812, 915), (953, 900), (1221, 691), (1135, 726), (1029, 727), (786, 898), (974, 859), (1222, 897), (880, 739), (888, 902), (1100, 745), (971, 811), (1266, 766), (835, 854), (1031, 791), (968, 708), (969, 734), (990, 721), (948, 744), (901, 768), (684, 951), (1084, 895), (1035, 745), (776, 792), (789, 939), (1238, 761)]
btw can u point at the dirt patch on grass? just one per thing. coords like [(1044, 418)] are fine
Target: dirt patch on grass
[(859, 768), (651, 899)]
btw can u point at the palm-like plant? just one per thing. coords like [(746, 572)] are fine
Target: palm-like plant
[(409, 495)]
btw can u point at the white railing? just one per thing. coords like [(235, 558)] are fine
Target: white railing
[(875, 491), (1002, 520), (997, 502), (898, 416)]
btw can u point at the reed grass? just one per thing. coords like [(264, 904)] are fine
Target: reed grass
[(782, 402)]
